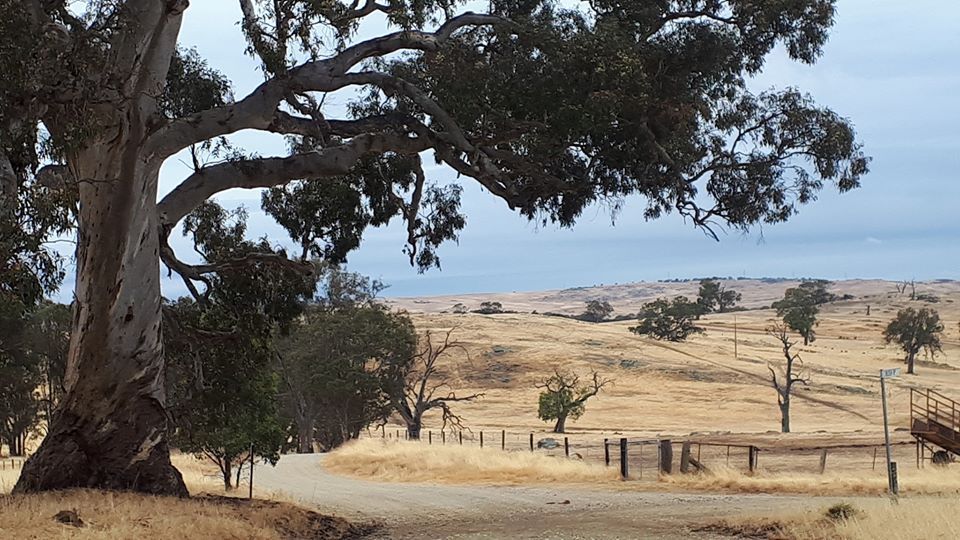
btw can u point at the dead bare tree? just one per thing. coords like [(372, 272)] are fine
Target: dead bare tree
[(564, 397), (422, 382), (792, 373), (903, 285)]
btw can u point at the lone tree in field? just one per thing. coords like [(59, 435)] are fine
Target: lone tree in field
[(915, 330), (714, 297), (669, 320), (597, 311), (565, 397), (788, 375), (801, 305), (424, 386), (97, 95)]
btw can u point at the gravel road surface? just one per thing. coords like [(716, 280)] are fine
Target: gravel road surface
[(418, 511)]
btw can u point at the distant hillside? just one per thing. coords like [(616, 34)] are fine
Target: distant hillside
[(628, 297)]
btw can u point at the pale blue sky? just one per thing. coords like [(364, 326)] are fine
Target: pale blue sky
[(890, 66)]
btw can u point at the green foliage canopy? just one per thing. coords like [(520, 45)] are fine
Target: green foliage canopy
[(915, 330), (801, 305), (671, 320)]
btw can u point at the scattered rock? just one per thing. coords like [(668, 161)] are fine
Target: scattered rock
[(69, 517), (630, 364), (548, 443)]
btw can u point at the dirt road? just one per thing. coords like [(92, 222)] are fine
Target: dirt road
[(417, 511)]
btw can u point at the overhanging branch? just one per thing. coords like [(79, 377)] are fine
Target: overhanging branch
[(269, 172), (260, 109)]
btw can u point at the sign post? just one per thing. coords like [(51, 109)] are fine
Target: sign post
[(891, 465)]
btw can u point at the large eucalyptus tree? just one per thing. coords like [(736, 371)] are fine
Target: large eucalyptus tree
[(550, 106)]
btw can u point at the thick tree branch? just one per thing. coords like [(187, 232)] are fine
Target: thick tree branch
[(410, 40), (269, 172), (260, 109)]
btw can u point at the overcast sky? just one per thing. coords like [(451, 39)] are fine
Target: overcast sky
[(890, 66)]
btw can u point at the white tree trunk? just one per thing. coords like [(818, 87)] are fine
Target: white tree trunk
[(110, 430)]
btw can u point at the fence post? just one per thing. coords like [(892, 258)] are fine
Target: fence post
[(430, 437), (531, 442), (250, 495), (640, 461), (503, 439), (481, 439), (752, 458), (685, 457), (461, 437), (894, 485), (443, 437), (823, 460), (624, 463), (666, 456), (606, 452), (566, 446)]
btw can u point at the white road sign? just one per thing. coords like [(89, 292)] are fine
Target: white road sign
[(889, 373)]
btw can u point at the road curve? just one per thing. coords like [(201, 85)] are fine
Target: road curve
[(419, 511)]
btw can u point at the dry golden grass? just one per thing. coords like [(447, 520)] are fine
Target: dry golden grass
[(214, 514), (929, 481), (8, 477), (412, 462), (109, 516), (912, 518), (201, 476), (698, 389), (394, 461)]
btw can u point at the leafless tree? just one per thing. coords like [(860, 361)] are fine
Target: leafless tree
[(791, 373), (426, 386)]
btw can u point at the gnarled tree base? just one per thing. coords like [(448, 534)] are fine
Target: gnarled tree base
[(69, 458)]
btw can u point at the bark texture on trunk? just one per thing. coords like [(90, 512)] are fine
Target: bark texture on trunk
[(561, 425), (110, 429), (911, 359), (226, 468), (414, 429), (785, 417), (305, 428)]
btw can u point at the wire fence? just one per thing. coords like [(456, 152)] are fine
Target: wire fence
[(646, 459), (529, 441)]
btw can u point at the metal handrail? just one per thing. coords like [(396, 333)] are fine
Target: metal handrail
[(934, 406)]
